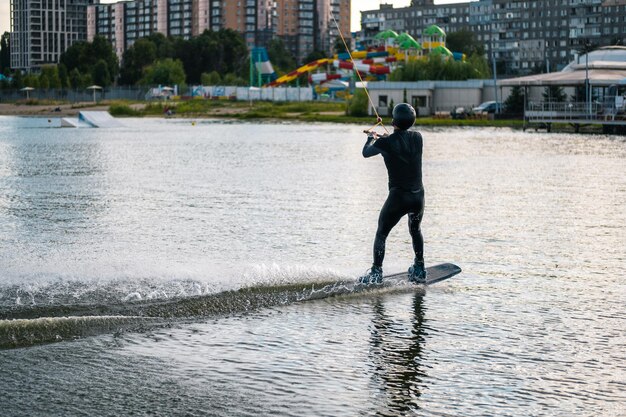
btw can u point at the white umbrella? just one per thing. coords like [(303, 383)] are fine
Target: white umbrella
[(94, 88), (166, 92), (28, 90)]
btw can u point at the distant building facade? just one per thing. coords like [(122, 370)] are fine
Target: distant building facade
[(303, 25), (524, 36), (41, 30)]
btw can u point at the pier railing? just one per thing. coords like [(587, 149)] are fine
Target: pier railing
[(574, 111)]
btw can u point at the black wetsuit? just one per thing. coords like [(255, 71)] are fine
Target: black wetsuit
[(402, 151)]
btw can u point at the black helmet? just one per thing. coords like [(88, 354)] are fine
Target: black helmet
[(403, 116)]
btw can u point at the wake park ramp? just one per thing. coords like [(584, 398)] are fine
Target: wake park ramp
[(100, 119)]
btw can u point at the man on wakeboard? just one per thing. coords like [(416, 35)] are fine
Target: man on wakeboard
[(402, 152)]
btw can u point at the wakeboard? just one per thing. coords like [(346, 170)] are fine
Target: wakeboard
[(434, 273)]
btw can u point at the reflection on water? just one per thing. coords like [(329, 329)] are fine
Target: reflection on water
[(159, 218), (395, 351)]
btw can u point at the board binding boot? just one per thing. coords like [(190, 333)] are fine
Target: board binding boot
[(417, 273), (373, 276)]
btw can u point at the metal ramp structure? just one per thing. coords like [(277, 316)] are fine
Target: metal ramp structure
[(100, 119)]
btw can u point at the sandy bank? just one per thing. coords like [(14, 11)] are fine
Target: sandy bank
[(47, 110)]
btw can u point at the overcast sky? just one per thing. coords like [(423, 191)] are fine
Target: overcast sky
[(357, 6)]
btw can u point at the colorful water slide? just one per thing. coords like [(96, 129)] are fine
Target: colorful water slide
[(311, 66), (366, 62), (322, 77), (362, 67), (362, 55)]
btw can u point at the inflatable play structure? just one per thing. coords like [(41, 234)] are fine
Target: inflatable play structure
[(373, 63)]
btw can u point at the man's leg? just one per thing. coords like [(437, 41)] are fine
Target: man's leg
[(415, 221), (417, 272), (390, 215), (415, 225)]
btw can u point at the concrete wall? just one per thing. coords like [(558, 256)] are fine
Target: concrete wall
[(445, 95), (254, 94), (447, 99), (385, 99), (429, 97)]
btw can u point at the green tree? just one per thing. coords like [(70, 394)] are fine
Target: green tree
[(314, 56), (465, 41), (44, 82), (100, 74), (63, 76), (136, 58), (85, 55), (212, 78), (233, 79), (223, 51), (357, 105), (101, 49), (72, 56), (85, 80), (479, 65), (18, 80), (31, 80), (515, 101), (282, 60), (165, 47), (339, 46), (49, 77), (5, 53), (165, 72), (437, 67), (75, 79), (554, 93)]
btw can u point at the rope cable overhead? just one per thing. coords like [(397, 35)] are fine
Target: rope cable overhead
[(379, 120)]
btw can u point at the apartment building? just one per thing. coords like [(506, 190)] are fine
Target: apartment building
[(415, 18), (41, 30), (522, 36), (123, 23), (304, 25)]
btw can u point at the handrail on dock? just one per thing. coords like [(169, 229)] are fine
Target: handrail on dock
[(573, 111)]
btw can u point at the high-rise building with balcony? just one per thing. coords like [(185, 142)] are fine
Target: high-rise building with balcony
[(522, 36), (41, 30), (304, 25)]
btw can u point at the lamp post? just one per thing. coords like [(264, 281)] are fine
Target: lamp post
[(587, 86), (495, 76), (586, 49)]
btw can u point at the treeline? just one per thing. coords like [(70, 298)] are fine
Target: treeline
[(165, 60), (436, 67), (214, 57), (210, 58), (5, 54)]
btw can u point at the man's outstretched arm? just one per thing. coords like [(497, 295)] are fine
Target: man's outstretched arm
[(369, 149)]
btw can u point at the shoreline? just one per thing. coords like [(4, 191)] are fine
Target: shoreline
[(48, 110), (319, 113)]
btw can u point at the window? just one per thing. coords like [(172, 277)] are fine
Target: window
[(382, 101), (418, 101)]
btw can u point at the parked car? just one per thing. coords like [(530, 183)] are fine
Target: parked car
[(488, 107)]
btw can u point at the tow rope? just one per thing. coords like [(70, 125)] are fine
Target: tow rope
[(379, 120)]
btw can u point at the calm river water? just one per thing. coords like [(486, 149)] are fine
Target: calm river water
[(166, 268)]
